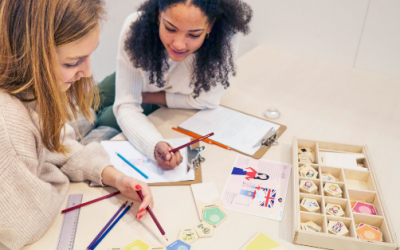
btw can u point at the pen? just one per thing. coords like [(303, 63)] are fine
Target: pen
[(133, 166), (205, 140)]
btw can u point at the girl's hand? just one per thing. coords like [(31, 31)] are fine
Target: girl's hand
[(128, 187), (165, 159)]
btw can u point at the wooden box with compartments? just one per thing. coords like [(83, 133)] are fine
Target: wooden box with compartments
[(338, 204)]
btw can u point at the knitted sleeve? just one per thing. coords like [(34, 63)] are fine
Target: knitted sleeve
[(128, 98)]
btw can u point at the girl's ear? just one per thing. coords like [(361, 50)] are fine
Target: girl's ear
[(210, 26), (159, 16)]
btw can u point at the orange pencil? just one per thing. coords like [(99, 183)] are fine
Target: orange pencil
[(198, 136)]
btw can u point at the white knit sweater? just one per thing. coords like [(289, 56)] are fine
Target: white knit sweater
[(131, 82), (34, 181)]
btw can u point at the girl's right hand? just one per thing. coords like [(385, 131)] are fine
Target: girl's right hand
[(165, 159)]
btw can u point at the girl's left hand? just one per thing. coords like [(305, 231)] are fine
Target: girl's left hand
[(128, 187)]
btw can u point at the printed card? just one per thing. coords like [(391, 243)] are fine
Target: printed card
[(364, 208), (178, 245), (137, 245), (366, 232), (206, 194)]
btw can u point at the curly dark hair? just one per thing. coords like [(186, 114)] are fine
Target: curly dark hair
[(214, 59)]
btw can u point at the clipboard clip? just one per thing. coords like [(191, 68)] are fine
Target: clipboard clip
[(198, 159), (270, 139)]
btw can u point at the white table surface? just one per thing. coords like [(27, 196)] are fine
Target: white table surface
[(318, 100)]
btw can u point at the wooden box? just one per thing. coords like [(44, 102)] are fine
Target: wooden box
[(355, 185)]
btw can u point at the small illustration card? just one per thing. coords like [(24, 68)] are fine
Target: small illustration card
[(188, 235), (366, 232), (206, 194), (137, 245), (213, 215), (364, 208), (257, 187), (178, 245), (262, 242), (204, 230)]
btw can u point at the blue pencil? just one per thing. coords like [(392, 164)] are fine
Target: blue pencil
[(106, 226), (133, 166), (112, 225)]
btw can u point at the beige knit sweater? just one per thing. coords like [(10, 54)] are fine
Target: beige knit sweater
[(34, 181)]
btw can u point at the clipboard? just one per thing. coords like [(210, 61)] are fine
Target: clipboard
[(263, 149), (198, 178)]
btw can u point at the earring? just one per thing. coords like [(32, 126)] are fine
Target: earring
[(208, 35)]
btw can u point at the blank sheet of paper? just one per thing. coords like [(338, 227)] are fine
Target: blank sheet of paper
[(147, 166), (231, 128)]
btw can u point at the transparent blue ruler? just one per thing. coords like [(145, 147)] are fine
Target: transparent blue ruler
[(70, 223)]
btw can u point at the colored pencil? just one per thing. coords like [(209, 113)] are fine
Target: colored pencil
[(198, 136), (190, 143), (139, 192), (111, 227), (133, 166), (90, 202), (106, 226)]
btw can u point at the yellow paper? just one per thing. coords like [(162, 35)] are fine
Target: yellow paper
[(261, 242)]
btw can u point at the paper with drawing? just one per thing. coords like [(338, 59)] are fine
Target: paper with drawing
[(257, 187), (150, 168)]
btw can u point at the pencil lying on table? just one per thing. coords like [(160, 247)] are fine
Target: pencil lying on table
[(106, 226), (111, 227), (90, 202), (190, 143), (139, 192), (198, 136)]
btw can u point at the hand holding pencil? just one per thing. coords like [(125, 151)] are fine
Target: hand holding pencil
[(165, 159), (128, 187)]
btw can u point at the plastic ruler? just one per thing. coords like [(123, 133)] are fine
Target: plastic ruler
[(70, 223)]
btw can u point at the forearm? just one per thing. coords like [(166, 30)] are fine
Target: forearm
[(154, 98), (110, 175)]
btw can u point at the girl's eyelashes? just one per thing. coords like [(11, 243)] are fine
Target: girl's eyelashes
[(171, 30), (69, 66)]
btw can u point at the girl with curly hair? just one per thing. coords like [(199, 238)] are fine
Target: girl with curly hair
[(178, 53), (45, 81)]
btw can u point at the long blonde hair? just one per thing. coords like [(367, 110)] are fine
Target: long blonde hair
[(30, 30)]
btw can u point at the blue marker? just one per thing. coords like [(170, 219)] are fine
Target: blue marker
[(133, 166)]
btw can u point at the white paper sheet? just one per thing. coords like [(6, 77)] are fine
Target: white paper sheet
[(150, 168), (231, 128)]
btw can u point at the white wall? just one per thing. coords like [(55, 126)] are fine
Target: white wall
[(104, 59), (360, 33)]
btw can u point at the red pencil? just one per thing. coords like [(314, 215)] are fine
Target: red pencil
[(90, 202), (190, 143), (139, 192)]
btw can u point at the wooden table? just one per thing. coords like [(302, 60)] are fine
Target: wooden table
[(318, 100)]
